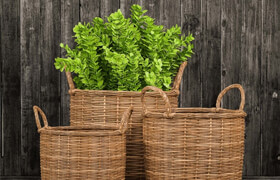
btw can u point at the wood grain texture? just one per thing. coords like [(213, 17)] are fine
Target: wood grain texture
[(89, 9), (107, 7), (271, 82), (261, 177), (231, 28), (30, 84), (125, 6), (210, 57), (20, 177), (49, 45), (49, 76), (11, 117), (166, 13), (191, 85), (69, 18), (249, 75), (1, 92), (240, 59), (154, 9)]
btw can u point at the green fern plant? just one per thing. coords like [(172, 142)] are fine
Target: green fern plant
[(125, 54)]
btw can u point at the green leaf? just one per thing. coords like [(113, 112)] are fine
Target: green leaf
[(121, 53)]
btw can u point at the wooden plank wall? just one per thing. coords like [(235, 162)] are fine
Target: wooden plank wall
[(236, 41)]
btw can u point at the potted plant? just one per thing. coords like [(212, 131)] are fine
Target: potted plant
[(113, 61)]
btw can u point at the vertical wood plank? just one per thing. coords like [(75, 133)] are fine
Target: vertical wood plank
[(10, 57), (211, 56), (108, 6), (69, 18), (49, 45), (171, 13), (250, 78), (125, 6), (166, 13), (154, 8), (231, 30), (30, 83), (241, 40), (1, 92), (89, 9), (270, 104), (190, 95)]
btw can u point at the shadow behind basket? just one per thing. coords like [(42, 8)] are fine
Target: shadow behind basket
[(92, 152), (194, 143), (88, 107)]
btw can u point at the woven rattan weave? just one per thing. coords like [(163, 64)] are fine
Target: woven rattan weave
[(82, 152), (193, 143), (90, 106)]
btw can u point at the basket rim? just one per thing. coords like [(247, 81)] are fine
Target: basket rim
[(199, 113), (93, 130), (121, 93)]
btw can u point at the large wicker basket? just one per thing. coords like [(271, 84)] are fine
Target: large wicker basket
[(194, 143), (90, 106), (82, 152)]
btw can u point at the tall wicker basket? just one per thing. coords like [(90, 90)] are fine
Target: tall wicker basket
[(82, 152), (194, 143), (90, 106)]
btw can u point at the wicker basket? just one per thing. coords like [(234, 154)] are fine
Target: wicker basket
[(91, 106), (82, 152), (194, 143)]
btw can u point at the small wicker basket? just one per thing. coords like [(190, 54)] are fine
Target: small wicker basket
[(194, 143), (82, 152), (88, 107)]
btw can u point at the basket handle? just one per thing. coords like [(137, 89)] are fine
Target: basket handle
[(238, 86), (162, 94), (36, 109), (70, 81), (178, 78), (126, 115)]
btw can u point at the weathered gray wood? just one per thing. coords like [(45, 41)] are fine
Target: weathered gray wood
[(240, 42), (1, 127), (89, 9), (250, 71), (49, 76), (10, 57), (107, 7), (154, 9), (49, 45), (19, 177), (191, 23), (170, 13), (164, 12), (125, 6), (261, 177), (270, 104), (231, 27), (211, 48), (69, 18), (30, 84)]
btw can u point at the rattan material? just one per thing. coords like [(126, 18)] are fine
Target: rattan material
[(194, 143), (82, 152), (90, 106)]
